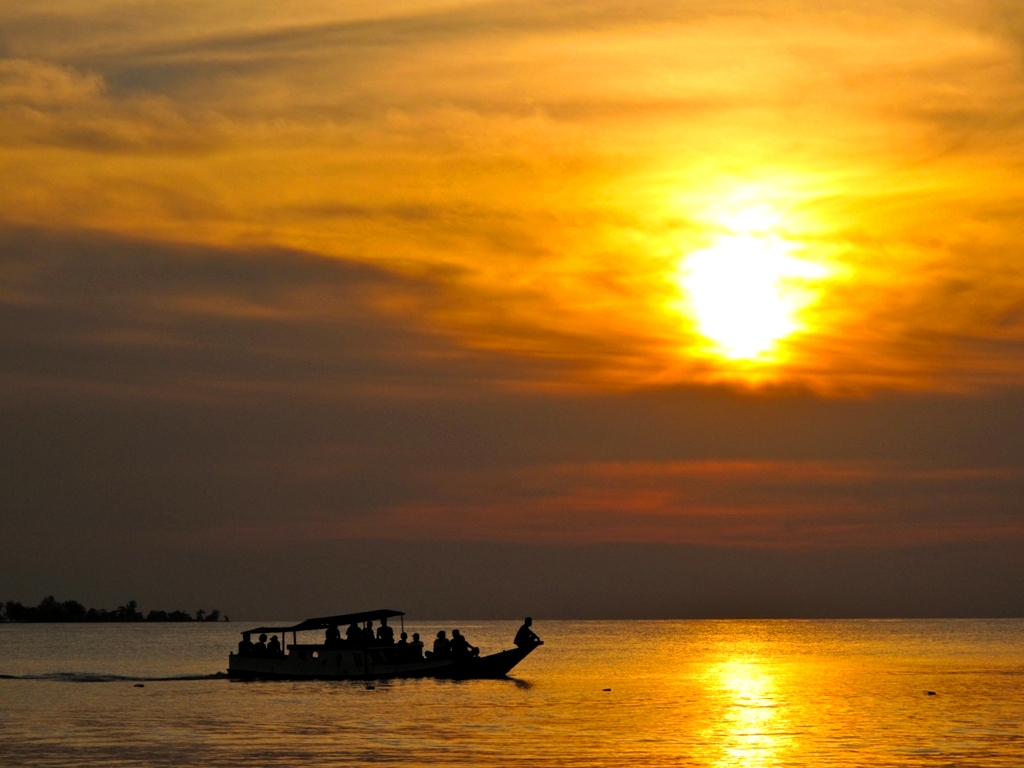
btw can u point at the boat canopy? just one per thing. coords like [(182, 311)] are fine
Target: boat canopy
[(325, 622)]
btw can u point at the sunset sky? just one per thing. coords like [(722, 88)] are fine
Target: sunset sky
[(594, 308)]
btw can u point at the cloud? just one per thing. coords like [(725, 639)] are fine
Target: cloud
[(240, 397), (557, 161), (43, 104), (749, 504), (293, 277), (85, 309), (36, 84)]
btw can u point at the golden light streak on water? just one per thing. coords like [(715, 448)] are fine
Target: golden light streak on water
[(749, 725)]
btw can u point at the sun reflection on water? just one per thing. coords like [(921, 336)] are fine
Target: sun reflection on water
[(751, 728)]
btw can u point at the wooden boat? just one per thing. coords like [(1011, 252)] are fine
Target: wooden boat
[(361, 660)]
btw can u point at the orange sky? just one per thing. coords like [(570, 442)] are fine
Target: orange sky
[(708, 273), (559, 164)]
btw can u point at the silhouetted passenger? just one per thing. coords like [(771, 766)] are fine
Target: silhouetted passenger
[(416, 648), (385, 634), (260, 648), (442, 647), (333, 639), (245, 646), (274, 646), (354, 634), (368, 637), (525, 637), (402, 646), (460, 647)]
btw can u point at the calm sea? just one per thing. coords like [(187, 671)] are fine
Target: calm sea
[(683, 693)]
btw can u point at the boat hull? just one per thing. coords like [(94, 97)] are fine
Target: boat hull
[(321, 663)]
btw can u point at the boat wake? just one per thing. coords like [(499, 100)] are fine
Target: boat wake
[(101, 677)]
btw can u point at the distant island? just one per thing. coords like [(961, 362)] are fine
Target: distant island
[(52, 610)]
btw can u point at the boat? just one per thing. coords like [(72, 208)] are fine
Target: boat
[(337, 659)]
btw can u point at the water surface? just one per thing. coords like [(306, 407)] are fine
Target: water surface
[(683, 693)]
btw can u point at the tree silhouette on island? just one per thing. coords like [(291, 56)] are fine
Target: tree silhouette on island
[(52, 610)]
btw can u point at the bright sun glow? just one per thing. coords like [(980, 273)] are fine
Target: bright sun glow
[(746, 291)]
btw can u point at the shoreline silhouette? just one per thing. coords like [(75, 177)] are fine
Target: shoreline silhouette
[(51, 610)]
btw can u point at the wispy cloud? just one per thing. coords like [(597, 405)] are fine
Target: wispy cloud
[(751, 504), (88, 311), (557, 158)]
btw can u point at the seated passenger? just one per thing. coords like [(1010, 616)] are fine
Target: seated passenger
[(402, 646), (385, 634), (245, 646), (333, 639), (354, 635), (525, 637), (260, 648), (442, 647), (416, 648), (460, 647), (274, 647), (368, 637)]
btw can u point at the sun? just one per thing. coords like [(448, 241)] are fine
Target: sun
[(745, 293)]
